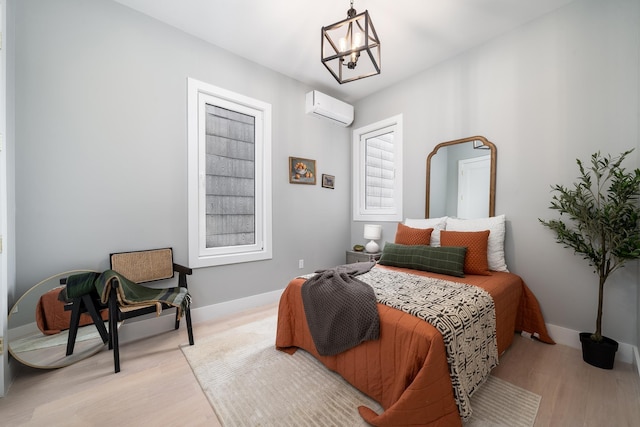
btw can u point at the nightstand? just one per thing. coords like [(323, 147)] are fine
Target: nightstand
[(354, 256)]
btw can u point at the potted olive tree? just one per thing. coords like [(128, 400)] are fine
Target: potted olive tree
[(602, 225)]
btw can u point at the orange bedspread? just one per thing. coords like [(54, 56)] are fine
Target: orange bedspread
[(406, 369)]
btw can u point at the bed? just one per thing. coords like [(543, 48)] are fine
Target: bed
[(406, 368)]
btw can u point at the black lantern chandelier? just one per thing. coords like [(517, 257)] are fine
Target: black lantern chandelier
[(351, 48)]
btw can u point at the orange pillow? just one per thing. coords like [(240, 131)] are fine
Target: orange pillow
[(412, 236), (475, 262)]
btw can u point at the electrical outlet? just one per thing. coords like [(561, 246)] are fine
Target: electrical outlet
[(300, 263)]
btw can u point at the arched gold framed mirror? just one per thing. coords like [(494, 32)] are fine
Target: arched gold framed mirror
[(461, 179)]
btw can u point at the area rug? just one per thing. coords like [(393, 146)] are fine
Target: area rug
[(250, 383)]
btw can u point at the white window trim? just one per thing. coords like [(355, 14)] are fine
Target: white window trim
[(360, 212), (198, 94)]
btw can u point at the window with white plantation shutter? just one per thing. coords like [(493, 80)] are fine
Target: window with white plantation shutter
[(229, 177), (377, 171)]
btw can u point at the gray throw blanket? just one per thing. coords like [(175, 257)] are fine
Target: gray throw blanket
[(341, 310)]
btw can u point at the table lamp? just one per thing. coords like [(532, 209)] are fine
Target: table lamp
[(372, 232)]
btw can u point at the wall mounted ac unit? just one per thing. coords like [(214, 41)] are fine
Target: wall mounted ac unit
[(323, 106)]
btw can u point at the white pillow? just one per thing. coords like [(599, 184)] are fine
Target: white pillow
[(496, 227), (436, 223)]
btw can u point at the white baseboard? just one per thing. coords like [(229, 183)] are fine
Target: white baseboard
[(627, 353), (148, 326), (217, 311)]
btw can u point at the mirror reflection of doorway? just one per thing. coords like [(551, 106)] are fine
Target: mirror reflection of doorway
[(473, 187), (442, 178)]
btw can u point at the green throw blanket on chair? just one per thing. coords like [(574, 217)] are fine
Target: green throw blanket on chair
[(132, 294), (81, 284)]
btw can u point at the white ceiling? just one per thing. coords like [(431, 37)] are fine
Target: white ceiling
[(285, 35)]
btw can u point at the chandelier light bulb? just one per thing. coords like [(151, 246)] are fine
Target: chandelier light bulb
[(357, 40), (343, 44)]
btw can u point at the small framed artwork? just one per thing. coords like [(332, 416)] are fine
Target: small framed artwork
[(302, 171), (328, 181)]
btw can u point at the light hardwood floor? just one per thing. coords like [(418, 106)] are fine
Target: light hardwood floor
[(157, 388)]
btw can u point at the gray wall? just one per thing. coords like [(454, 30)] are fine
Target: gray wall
[(101, 148), (557, 89), (101, 144)]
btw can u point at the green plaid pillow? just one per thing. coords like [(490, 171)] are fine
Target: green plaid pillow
[(444, 260)]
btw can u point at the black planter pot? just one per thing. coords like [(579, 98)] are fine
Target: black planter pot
[(599, 354)]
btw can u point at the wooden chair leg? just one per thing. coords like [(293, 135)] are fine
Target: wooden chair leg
[(80, 305), (189, 328), (73, 325), (111, 316), (113, 329), (95, 316), (182, 282)]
